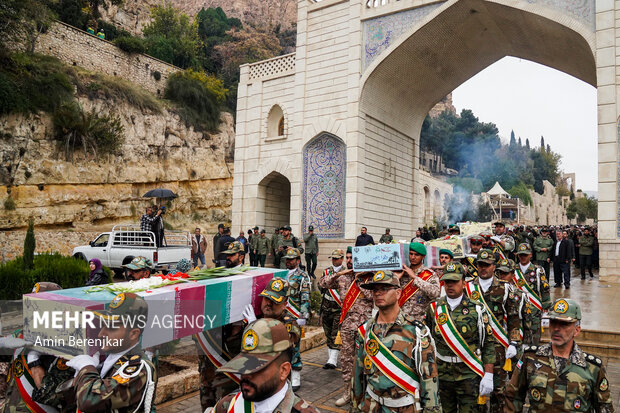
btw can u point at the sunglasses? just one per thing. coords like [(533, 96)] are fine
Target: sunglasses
[(476, 242)]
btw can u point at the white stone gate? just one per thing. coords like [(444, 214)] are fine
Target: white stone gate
[(339, 120)]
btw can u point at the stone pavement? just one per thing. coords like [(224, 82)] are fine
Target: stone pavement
[(320, 387)]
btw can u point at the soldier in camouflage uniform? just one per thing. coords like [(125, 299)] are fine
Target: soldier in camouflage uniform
[(286, 241), (535, 276), (469, 261), (311, 242), (542, 246), (499, 298), (274, 245), (503, 240), (505, 271), (459, 385), (264, 364), (331, 309), (427, 290), (559, 376), (252, 247), (378, 390), (360, 311), (30, 367), (126, 380), (299, 297), (386, 238), (262, 248)]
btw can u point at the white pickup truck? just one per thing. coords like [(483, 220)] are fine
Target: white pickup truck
[(125, 242)]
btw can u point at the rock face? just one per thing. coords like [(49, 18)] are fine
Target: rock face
[(133, 15), (88, 193)]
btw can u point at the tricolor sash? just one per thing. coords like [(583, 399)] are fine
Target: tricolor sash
[(216, 354), (239, 405), (524, 286), (475, 293), (471, 262), (25, 383), (453, 338), (520, 328), (411, 289), (349, 299), (293, 308), (332, 291), (500, 250), (391, 366)]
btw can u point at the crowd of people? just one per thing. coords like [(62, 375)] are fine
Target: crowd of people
[(461, 336)]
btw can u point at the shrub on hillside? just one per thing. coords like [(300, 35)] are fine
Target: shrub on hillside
[(130, 44), (199, 98), (14, 280), (96, 85), (67, 272)]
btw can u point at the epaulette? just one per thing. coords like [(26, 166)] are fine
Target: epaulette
[(529, 348), (593, 359), (504, 281)]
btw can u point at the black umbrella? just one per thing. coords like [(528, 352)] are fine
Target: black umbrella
[(160, 193)]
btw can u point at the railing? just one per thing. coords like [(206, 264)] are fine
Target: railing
[(130, 235), (272, 67)]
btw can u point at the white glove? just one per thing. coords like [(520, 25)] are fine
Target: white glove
[(248, 313), (13, 342), (301, 322), (511, 351), (486, 384), (81, 361), (496, 238), (33, 356)]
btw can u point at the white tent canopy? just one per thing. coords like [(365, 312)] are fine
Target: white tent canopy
[(497, 190)]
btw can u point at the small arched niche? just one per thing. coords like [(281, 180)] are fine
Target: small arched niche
[(276, 125)]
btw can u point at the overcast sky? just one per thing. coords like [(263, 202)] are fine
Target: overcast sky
[(535, 100)]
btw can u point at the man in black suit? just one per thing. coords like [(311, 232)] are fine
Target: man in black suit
[(561, 256)]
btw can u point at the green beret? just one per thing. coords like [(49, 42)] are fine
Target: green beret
[(349, 250), (417, 247), (447, 252)]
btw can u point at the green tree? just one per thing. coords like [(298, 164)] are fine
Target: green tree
[(30, 244), (513, 140), (527, 144), (542, 143), (582, 208), (522, 192)]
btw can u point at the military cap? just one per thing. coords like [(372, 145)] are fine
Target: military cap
[(337, 253), (276, 290), (504, 266), (452, 271), (256, 227), (454, 227), (282, 228), (476, 237), (44, 286), (417, 247), (287, 227), (446, 252), (524, 248), (485, 234), (311, 228), (499, 222), (387, 230), (382, 277), (220, 226), (349, 250), (261, 343), (486, 256), (262, 231), (128, 306), (234, 247), (564, 309), (292, 253), (139, 263)]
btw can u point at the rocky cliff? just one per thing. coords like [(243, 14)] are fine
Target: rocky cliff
[(132, 15), (89, 193)]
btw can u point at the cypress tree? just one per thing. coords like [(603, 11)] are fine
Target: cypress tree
[(513, 141), (542, 143), (29, 246), (527, 143)]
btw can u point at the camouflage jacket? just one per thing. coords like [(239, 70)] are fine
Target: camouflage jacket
[(417, 352), (536, 278), (386, 239), (312, 243), (468, 317), (361, 310), (299, 289), (290, 404), (427, 291), (580, 386), (121, 389), (505, 305), (471, 271), (539, 244), (262, 246), (56, 372), (291, 241)]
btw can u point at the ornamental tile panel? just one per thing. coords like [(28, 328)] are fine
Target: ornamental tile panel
[(324, 191)]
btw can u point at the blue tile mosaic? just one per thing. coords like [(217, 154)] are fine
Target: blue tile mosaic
[(324, 186)]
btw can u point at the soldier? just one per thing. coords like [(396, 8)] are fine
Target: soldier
[(33, 377), (262, 248), (356, 308), (505, 271), (235, 254), (388, 375), (252, 241), (331, 306), (469, 261), (465, 344), (531, 280), (286, 241), (386, 238), (311, 242), (498, 299), (504, 242), (585, 245), (138, 268), (559, 376), (420, 284), (125, 381), (274, 245), (543, 245), (264, 365), (299, 301)]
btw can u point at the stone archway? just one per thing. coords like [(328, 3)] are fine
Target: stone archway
[(324, 191), (273, 203)]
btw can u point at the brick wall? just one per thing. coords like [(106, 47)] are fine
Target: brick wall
[(76, 47)]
